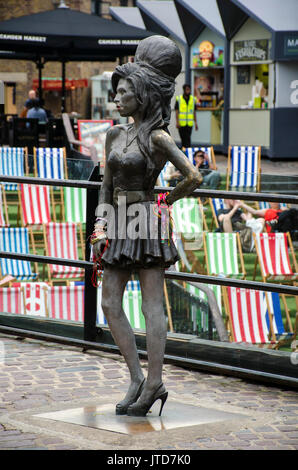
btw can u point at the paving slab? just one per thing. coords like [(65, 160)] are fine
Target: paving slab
[(238, 414)]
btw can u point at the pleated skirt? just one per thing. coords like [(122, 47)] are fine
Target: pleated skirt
[(140, 237)]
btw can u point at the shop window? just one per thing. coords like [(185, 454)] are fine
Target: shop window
[(100, 7)]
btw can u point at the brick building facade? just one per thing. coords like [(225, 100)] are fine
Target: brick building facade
[(18, 75)]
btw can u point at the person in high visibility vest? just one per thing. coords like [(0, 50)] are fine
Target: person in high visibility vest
[(186, 115)]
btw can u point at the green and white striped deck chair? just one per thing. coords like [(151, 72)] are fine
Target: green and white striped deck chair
[(200, 320), (132, 306), (75, 204), (221, 254), (188, 221)]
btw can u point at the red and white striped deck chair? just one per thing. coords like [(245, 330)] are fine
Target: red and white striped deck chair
[(246, 310), (61, 242), (35, 205), (33, 297), (66, 303), (10, 300), (274, 259)]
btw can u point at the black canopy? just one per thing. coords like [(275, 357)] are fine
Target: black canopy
[(67, 35)]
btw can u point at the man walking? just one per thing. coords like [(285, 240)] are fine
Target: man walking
[(186, 115)]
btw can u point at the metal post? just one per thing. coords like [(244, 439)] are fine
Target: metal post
[(40, 66), (227, 85), (1, 97), (90, 301), (63, 98)]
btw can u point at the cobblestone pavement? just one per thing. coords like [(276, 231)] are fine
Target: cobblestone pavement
[(37, 377)]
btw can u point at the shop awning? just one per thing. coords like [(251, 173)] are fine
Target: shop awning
[(279, 17), (66, 33), (55, 84), (128, 15), (198, 14), (162, 17)]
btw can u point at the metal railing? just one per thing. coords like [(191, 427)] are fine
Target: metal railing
[(90, 328)]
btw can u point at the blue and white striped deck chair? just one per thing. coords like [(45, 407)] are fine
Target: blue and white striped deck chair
[(280, 332), (216, 204), (132, 306), (13, 162), (190, 151), (266, 205), (50, 162), (161, 178), (244, 168), (16, 240)]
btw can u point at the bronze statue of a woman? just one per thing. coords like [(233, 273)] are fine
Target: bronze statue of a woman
[(135, 155)]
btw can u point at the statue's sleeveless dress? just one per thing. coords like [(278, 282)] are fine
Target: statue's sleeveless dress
[(142, 238)]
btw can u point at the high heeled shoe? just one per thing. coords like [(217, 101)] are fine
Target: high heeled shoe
[(141, 409), (121, 408)]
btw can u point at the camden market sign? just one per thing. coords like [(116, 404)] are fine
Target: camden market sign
[(251, 50)]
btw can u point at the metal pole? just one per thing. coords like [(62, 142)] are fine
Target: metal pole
[(63, 104), (90, 298), (1, 97), (40, 66)]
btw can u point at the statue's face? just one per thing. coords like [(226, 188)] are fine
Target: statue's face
[(125, 98)]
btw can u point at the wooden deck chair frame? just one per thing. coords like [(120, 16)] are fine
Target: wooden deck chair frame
[(55, 201), (271, 335), (228, 177), (52, 280), (292, 253), (26, 173), (214, 216), (36, 230), (35, 264), (239, 253), (213, 160)]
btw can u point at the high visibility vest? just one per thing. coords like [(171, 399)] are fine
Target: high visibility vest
[(186, 111)]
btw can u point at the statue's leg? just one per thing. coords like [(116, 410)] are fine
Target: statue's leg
[(152, 282), (113, 285)]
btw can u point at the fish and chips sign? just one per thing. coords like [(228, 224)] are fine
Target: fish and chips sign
[(251, 50)]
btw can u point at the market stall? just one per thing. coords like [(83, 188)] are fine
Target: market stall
[(207, 63), (264, 74)]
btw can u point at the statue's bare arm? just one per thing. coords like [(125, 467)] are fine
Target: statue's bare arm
[(164, 145)]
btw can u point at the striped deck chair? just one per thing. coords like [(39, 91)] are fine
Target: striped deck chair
[(273, 308), (249, 320), (216, 204), (266, 205), (13, 162), (35, 205), (33, 297), (4, 220), (10, 300), (244, 168), (51, 163), (197, 317), (65, 303), (188, 221), (61, 242), (132, 306), (221, 254), (273, 256), (161, 178), (16, 240), (75, 204), (190, 151)]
